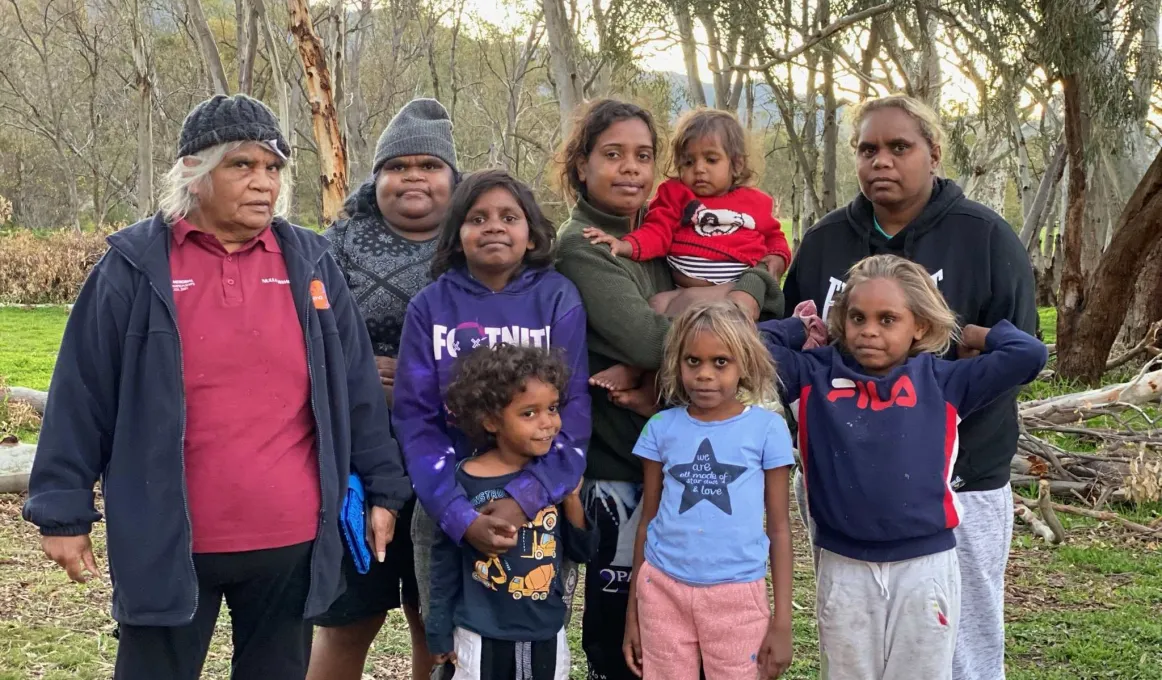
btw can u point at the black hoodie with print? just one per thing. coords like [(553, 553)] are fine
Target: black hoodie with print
[(979, 265)]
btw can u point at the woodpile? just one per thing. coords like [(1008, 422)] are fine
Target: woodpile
[(1114, 453)]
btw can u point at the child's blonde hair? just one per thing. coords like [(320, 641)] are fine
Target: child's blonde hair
[(924, 301), (725, 320), (700, 123)]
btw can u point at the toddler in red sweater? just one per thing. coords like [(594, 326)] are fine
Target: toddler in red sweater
[(708, 224)]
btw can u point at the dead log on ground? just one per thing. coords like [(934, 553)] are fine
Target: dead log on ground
[(1034, 523), (15, 466), (1071, 408), (1154, 528), (34, 398)]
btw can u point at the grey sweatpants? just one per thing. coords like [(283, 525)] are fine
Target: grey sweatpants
[(800, 487), (423, 538), (982, 548), (982, 545), (887, 620)]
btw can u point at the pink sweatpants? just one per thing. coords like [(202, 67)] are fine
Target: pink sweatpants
[(723, 625)]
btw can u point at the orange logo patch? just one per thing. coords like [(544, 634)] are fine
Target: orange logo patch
[(319, 295)]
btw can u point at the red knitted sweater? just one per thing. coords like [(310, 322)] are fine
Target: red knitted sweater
[(737, 226)]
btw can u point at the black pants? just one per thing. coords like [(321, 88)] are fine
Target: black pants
[(265, 591), (607, 595)]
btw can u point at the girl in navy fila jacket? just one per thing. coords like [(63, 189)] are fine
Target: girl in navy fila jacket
[(878, 416)]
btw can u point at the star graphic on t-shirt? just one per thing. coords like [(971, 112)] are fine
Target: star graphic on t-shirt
[(706, 479)]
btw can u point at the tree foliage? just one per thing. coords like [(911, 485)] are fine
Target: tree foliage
[(93, 93)]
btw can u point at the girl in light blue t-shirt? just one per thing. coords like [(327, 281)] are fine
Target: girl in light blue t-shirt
[(714, 467)]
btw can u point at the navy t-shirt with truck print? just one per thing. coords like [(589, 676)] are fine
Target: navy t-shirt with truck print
[(516, 596)]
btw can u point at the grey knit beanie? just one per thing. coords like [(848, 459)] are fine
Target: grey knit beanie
[(223, 119), (422, 127)]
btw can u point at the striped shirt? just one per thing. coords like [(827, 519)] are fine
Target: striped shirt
[(707, 270)]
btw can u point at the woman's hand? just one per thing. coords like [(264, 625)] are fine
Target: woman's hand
[(745, 302), (776, 653), (74, 554), (617, 246), (441, 659), (775, 264), (508, 510), (386, 368), (631, 645), (490, 534), (973, 341), (380, 531)]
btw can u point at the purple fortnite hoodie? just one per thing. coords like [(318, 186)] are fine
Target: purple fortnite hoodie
[(453, 316)]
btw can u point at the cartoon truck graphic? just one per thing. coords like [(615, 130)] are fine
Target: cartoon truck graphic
[(534, 584), (546, 519), (483, 574), (544, 545)]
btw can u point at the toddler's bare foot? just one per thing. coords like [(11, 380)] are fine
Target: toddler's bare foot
[(618, 377), (660, 303), (642, 401)]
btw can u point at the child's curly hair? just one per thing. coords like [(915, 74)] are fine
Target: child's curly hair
[(488, 379)]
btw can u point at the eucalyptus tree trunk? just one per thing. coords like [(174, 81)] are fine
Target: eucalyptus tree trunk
[(324, 116), (208, 48), (563, 62)]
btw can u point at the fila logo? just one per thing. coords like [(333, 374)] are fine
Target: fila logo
[(903, 393), (836, 286)]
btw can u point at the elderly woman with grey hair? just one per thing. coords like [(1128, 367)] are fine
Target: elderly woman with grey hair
[(222, 438)]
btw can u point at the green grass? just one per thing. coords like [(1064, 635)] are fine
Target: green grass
[(29, 339), (1048, 318), (1088, 609)]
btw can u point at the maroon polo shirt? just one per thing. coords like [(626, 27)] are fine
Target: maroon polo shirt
[(252, 470)]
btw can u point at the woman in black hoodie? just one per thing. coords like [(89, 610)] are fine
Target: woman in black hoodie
[(978, 263)]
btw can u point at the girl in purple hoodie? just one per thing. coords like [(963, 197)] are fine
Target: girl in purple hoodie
[(494, 283)]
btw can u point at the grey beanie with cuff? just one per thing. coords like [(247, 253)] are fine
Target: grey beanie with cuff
[(421, 128)]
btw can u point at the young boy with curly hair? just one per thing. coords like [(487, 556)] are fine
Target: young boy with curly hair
[(502, 617)]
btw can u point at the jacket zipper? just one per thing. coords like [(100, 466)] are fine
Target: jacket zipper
[(318, 444), (182, 446)]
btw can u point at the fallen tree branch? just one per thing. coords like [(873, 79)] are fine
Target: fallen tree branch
[(1063, 489), (1070, 408), (1104, 516), (1046, 451), (34, 398), (1149, 341), (15, 465), (1038, 527), (1100, 433), (1045, 505)]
